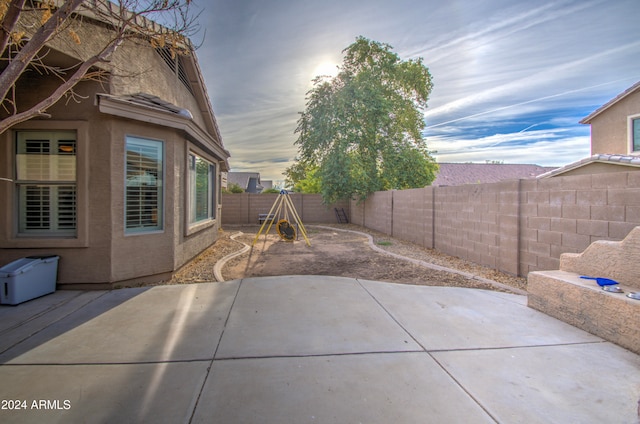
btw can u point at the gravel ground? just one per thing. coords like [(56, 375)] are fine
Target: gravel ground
[(367, 264)]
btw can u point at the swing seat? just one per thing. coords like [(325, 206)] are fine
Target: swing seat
[(286, 231)]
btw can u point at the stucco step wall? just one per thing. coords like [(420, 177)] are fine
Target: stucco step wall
[(582, 303), (617, 260)]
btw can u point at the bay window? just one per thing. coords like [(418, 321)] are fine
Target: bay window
[(144, 185), (201, 189)]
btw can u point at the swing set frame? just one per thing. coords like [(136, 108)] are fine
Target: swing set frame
[(281, 211)]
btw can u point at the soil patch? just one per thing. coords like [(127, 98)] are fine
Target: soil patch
[(335, 253)]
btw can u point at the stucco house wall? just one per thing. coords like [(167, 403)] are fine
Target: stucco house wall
[(612, 138), (611, 131), (101, 253)]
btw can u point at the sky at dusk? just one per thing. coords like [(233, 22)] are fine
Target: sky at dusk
[(512, 79)]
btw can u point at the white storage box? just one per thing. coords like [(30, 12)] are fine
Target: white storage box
[(28, 278)]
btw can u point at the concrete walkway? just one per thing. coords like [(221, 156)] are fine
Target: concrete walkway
[(305, 349)]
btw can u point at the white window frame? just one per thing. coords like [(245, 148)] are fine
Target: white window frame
[(193, 159), (53, 175), (151, 183)]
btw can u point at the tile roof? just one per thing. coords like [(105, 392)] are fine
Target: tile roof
[(600, 158), (452, 174), (242, 178)]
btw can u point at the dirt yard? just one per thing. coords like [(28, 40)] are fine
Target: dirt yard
[(336, 253)]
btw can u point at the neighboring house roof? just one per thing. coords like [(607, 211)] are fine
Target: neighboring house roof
[(635, 87), (243, 178), (633, 161), (452, 174)]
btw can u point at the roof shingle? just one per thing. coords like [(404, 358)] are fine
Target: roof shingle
[(452, 174)]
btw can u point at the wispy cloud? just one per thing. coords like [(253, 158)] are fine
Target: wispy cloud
[(512, 78), (487, 95), (499, 25), (543, 147)]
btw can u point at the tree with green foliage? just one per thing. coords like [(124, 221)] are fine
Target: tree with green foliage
[(303, 177), (361, 131), (270, 191), (233, 188)]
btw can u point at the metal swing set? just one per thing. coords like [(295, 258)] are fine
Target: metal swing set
[(283, 209)]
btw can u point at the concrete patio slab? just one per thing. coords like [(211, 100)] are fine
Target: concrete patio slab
[(445, 318), (308, 315), (406, 387), (580, 383), (12, 315), (303, 349), (122, 393), (20, 322), (132, 325)]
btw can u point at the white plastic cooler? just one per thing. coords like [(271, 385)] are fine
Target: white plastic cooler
[(28, 278)]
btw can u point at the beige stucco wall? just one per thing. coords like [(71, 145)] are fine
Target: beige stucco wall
[(145, 253), (155, 255), (103, 255), (134, 67), (608, 259), (85, 258), (610, 133), (153, 76)]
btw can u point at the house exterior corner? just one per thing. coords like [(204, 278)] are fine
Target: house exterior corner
[(124, 186)]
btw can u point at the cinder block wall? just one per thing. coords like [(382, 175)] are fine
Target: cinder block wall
[(514, 226), (235, 209), (567, 214), (357, 212), (314, 211), (378, 211), (244, 208), (412, 216), (479, 223)]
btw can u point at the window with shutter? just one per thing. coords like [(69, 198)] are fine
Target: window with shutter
[(144, 185), (46, 182)]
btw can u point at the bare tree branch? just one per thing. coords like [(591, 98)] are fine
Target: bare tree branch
[(127, 19), (26, 54), (14, 8), (64, 88)]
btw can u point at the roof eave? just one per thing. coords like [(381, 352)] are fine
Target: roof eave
[(114, 106), (635, 87), (607, 159), (203, 96)]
